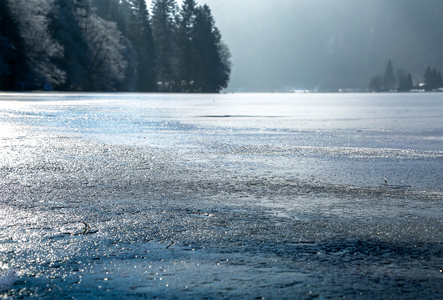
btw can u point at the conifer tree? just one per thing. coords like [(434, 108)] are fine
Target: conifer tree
[(213, 65), (187, 54), (409, 84), (428, 77), (389, 78), (433, 79), (405, 82), (64, 26), (439, 80), (124, 16), (108, 10), (107, 45), (376, 84), (164, 32), (140, 34)]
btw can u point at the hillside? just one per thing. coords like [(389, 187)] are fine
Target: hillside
[(328, 44)]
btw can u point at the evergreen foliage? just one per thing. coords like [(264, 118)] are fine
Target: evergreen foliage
[(109, 45), (13, 69), (140, 34), (64, 26), (186, 50), (405, 82), (164, 33), (389, 78), (385, 82), (401, 82), (433, 79), (212, 67)]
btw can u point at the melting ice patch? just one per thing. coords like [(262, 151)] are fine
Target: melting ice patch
[(7, 279)]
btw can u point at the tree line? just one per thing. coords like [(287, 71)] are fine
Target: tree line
[(111, 45), (403, 82)]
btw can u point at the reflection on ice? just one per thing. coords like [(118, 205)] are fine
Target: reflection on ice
[(7, 278), (138, 196), (7, 131)]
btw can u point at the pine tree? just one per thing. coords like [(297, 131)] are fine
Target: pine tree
[(389, 78), (376, 84), (164, 32), (405, 81), (409, 84), (213, 66), (438, 80), (124, 17), (140, 34), (64, 26), (107, 45), (187, 55), (428, 78), (433, 79), (108, 10)]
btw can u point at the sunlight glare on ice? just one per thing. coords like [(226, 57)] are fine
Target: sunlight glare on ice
[(7, 131), (7, 278)]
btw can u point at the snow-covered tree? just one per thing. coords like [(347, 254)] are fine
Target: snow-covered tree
[(41, 49), (105, 46), (107, 64), (224, 67)]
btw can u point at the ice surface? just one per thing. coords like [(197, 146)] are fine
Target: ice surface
[(221, 196)]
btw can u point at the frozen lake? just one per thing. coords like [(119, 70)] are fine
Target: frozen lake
[(295, 196)]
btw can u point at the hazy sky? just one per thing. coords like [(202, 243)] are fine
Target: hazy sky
[(325, 43)]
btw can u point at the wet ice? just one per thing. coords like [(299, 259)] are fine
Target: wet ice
[(285, 198)]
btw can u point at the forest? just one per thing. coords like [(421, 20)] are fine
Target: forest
[(111, 45), (402, 81)]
